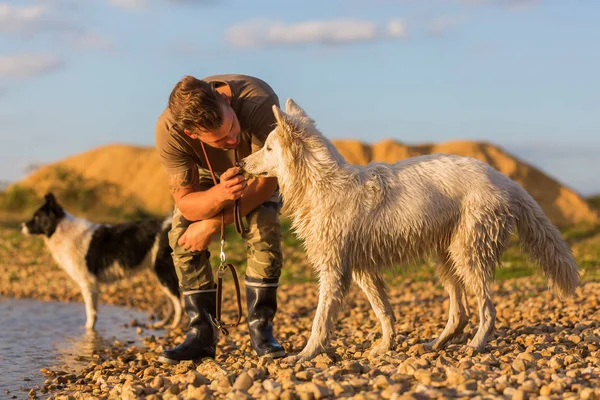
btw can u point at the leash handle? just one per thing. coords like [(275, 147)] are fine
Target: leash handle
[(217, 320)]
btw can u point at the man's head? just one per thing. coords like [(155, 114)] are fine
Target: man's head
[(203, 113)]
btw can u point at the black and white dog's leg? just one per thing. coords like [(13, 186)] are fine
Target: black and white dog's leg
[(178, 310), (167, 278), (89, 290), (174, 310)]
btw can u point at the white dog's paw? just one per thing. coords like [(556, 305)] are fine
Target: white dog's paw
[(474, 348), (432, 345), (291, 360), (157, 325), (302, 356), (379, 350)]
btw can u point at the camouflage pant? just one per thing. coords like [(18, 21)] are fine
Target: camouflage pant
[(263, 245)]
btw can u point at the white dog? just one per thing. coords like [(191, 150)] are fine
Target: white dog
[(355, 221)]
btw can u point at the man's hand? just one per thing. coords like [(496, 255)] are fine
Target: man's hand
[(233, 185), (198, 235)]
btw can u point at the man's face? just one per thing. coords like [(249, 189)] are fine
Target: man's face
[(228, 135)]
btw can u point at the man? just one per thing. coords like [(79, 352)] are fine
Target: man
[(224, 113)]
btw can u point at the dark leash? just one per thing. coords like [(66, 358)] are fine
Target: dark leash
[(237, 208), (223, 265)]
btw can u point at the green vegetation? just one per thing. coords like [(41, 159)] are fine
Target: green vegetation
[(18, 198), (594, 201), (79, 195)]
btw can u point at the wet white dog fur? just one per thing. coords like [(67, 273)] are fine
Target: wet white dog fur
[(356, 221)]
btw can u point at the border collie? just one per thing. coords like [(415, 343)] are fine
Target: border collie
[(92, 253)]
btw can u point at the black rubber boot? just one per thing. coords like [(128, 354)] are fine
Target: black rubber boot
[(201, 340), (261, 299)]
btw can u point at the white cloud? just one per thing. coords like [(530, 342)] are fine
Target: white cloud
[(28, 65), (48, 19), (30, 20), (396, 28), (259, 33)]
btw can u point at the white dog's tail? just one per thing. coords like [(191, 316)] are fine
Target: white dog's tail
[(544, 243)]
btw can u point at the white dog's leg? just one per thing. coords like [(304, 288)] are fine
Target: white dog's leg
[(332, 291), (375, 289), (477, 251), (90, 298), (487, 318), (458, 314), (480, 272)]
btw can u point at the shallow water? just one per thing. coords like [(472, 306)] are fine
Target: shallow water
[(36, 334)]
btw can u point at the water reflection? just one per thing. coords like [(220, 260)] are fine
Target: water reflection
[(35, 334), (75, 350)]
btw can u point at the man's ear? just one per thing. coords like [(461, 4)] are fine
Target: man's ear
[(190, 134)]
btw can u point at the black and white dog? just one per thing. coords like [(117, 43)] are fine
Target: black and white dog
[(92, 253)]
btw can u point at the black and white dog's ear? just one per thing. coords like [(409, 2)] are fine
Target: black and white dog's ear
[(53, 203), (49, 197)]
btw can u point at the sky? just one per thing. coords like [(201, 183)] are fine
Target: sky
[(521, 74)]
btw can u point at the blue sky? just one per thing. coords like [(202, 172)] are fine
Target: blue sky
[(522, 74)]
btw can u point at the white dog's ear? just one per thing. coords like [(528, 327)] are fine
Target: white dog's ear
[(281, 117), (292, 108), (292, 125)]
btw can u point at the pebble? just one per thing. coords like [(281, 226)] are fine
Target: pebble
[(243, 382)]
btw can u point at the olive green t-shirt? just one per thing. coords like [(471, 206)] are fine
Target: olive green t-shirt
[(252, 100)]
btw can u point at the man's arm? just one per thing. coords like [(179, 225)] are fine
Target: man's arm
[(193, 203), (199, 234), (196, 204), (259, 190)]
